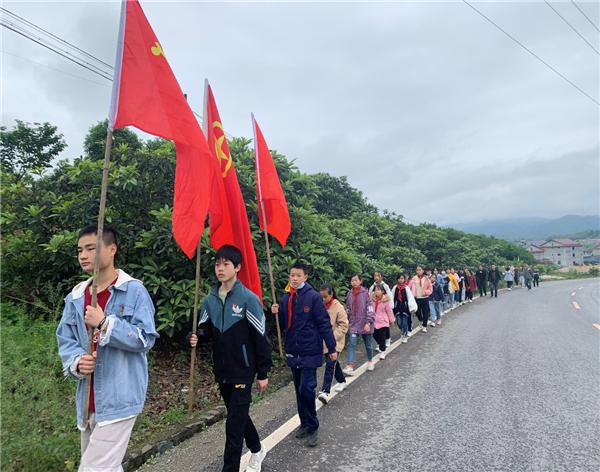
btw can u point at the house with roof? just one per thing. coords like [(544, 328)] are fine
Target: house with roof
[(561, 252)]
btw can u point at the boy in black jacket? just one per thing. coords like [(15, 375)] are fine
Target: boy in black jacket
[(233, 316)]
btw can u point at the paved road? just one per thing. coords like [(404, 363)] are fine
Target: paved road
[(507, 384), (510, 384)]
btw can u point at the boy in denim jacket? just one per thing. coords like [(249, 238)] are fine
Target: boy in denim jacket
[(123, 323)]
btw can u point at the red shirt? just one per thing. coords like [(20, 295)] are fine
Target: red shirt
[(103, 297)]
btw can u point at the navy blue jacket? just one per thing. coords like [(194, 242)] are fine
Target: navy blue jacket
[(310, 326)]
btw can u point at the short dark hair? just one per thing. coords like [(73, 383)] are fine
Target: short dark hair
[(109, 234), (356, 275), (302, 266), (401, 274), (229, 253), (378, 272)]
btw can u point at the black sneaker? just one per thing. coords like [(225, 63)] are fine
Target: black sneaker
[(301, 433), (312, 439)]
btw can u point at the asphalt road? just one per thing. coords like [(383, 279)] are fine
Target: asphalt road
[(506, 384), (509, 384)]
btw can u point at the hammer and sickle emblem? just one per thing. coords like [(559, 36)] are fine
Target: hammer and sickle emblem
[(221, 156), (157, 50)]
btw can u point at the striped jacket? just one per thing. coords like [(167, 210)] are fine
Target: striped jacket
[(241, 347)]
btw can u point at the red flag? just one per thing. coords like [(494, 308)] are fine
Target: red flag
[(146, 95), (233, 228), (269, 191)]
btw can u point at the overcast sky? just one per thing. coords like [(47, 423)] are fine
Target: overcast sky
[(427, 108)]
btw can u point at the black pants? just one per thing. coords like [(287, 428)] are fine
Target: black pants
[(469, 295), (238, 425), (536, 281), (493, 289), (423, 311), (332, 369), (509, 284), (380, 335), (481, 288)]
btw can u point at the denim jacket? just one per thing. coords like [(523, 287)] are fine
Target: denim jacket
[(121, 372)]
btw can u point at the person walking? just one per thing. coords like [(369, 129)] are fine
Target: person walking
[(453, 286), (404, 305), (117, 369), (360, 319), (481, 277), (508, 278), (494, 279), (436, 300), (522, 276), (528, 277), (536, 277), (421, 288), (387, 298), (470, 284), (384, 317), (233, 317), (339, 324), (306, 325)]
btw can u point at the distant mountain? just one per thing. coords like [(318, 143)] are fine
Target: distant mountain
[(532, 228)]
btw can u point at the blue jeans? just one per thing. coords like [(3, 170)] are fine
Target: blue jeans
[(332, 368), (367, 339), (435, 311), (402, 322), (305, 383), (449, 300)]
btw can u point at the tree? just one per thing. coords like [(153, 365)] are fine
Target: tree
[(29, 147)]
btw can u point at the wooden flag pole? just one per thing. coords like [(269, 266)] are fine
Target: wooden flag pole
[(100, 230), (194, 326), (268, 247)]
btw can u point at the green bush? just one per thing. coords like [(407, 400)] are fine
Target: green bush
[(334, 229)]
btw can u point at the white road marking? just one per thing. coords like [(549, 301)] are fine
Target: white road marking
[(290, 425), (572, 294), (597, 325), (576, 306)]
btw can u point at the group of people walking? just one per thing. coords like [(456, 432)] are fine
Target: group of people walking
[(316, 325)]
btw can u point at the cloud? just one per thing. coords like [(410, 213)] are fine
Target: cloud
[(429, 110)]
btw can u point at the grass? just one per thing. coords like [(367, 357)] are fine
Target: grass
[(37, 408)]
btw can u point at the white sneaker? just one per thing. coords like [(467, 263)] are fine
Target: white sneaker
[(323, 398), (430, 323), (409, 334), (382, 355), (388, 342), (404, 339), (256, 459), (340, 387), (377, 349), (349, 371), (424, 330), (370, 365), (439, 323)]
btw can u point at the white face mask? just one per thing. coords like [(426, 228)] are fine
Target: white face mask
[(301, 285)]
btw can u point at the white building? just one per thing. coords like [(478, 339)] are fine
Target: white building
[(561, 252)]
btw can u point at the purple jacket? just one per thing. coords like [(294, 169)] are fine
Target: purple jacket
[(361, 312)]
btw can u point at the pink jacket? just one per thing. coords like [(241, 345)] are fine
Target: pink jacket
[(384, 315), (425, 286)]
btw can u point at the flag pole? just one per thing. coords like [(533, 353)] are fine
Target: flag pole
[(196, 301), (99, 232), (268, 247), (194, 325)]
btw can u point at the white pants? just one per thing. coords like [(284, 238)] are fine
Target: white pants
[(103, 447)]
